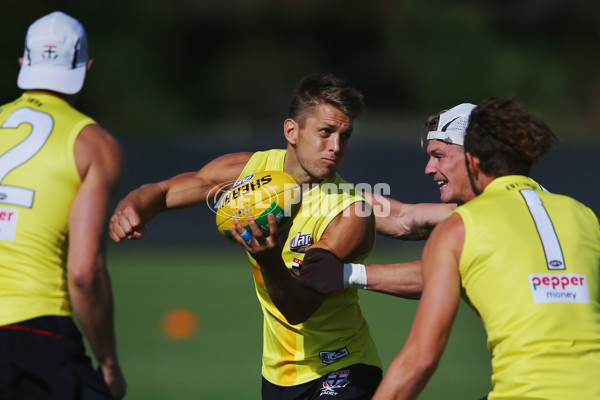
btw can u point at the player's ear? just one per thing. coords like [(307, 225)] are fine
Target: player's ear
[(290, 130), (20, 61), (476, 177), (472, 163)]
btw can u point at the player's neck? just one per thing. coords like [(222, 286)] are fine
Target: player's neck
[(69, 98)]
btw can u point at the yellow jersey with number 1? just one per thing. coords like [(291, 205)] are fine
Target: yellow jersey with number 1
[(530, 266), (38, 182), (336, 335)]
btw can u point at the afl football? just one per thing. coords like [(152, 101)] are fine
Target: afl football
[(260, 194)]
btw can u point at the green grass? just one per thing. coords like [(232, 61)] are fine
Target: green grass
[(222, 360)]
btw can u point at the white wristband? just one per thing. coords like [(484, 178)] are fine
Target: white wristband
[(355, 276)]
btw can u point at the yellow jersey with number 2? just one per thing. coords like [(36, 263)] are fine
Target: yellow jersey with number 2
[(38, 182)]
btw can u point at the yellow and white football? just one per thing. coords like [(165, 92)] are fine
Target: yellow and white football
[(260, 194)]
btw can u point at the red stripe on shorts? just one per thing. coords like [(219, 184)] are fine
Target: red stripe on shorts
[(36, 331)]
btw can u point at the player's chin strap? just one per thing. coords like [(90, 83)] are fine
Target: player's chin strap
[(474, 188)]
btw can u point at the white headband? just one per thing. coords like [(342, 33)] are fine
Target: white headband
[(452, 127)]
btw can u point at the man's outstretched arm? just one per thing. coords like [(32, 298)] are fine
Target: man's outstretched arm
[(327, 274), (182, 191), (406, 221)]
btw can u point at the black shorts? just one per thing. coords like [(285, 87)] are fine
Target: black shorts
[(44, 359), (355, 382)]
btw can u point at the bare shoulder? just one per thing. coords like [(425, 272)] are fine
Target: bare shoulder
[(98, 148), (453, 225), (224, 168), (234, 158), (229, 161), (350, 234), (448, 236), (95, 139)]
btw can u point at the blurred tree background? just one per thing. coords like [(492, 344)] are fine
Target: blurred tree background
[(210, 67)]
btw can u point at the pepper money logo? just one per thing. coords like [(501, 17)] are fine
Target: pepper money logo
[(559, 288)]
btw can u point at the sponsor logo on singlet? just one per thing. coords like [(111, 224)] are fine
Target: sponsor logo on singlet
[(329, 357), (296, 266), (300, 242), (559, 288), (8, 223)]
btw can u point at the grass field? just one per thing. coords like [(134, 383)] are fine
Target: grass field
[(222, 359)]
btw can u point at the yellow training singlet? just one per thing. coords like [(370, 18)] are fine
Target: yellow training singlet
[(530, 266), (38, 182), (336, 335)]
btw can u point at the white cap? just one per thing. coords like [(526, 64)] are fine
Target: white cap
[(55, 56), (452, 127)]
